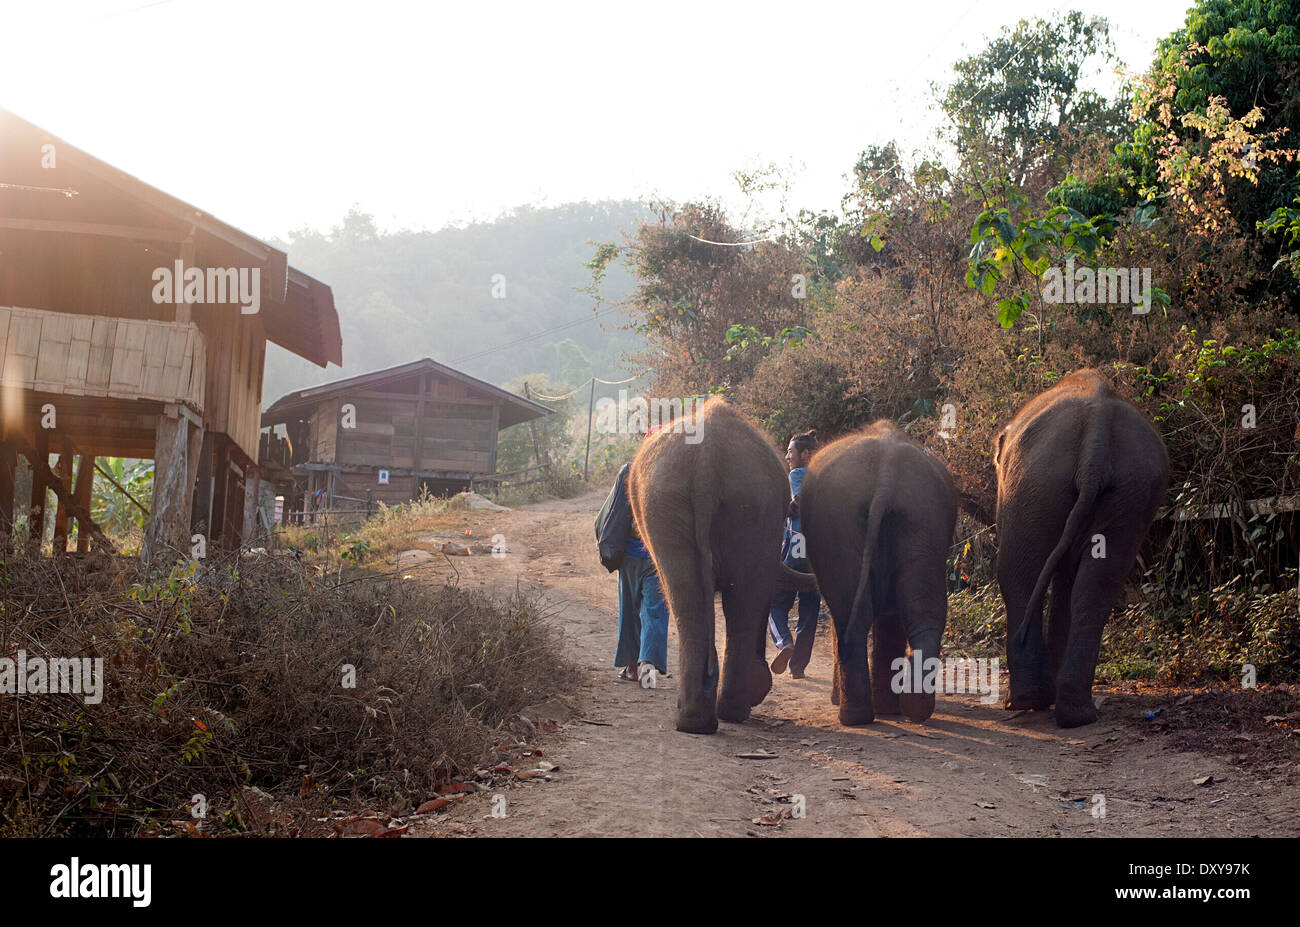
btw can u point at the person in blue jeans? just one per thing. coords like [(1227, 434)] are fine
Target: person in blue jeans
[(642, 650), (642, 617), (795, 652)]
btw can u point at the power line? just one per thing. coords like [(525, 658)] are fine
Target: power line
[(586, 382), (526, 338)]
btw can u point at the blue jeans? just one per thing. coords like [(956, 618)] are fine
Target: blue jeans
[(778, 619), (642, 615)]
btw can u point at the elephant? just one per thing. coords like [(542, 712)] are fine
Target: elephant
[(1081, 474), (878, 514), (709, 501)]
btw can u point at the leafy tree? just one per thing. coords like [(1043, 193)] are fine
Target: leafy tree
[(1017, 105)]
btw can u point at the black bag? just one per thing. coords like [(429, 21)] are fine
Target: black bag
[(614, 523)]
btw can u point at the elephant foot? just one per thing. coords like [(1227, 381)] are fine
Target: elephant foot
[(734, 710), (917, 706), (886, 702), (1077, 715), (856, 715), (697, 724), (1029, 700), (760, 682)]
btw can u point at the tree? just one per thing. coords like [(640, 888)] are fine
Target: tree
[(1017, 106)]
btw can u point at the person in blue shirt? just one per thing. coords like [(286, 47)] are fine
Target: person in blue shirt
[(642, 650), (795, 652)]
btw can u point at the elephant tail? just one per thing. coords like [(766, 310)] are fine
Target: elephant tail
[(861, 616), (1088, 478)]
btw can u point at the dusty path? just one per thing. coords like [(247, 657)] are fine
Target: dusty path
[(972, 770)]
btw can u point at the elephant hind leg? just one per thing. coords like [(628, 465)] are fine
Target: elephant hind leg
[(1096, 588), (921, 594), (852, 681), (691, 605), (746, 678), (1029, 665)]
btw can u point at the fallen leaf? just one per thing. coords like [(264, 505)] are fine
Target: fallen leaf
[(364, 827), (433, 805), (757, 755), (456, 787), (985, 804), (1203, 780)]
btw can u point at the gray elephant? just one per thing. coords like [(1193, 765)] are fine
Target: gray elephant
[(878, 514), (709, 500), (1081, 474)]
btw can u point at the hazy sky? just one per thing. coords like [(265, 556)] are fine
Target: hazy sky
[(273, 115)]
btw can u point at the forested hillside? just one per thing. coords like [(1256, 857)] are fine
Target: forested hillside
[(405, 295)]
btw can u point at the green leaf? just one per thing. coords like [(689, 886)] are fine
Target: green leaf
[(1010, 309)]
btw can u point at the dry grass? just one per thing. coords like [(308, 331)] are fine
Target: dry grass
[(229, 676)]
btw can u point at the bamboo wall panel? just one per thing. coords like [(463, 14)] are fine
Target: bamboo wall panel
[(81, 355)]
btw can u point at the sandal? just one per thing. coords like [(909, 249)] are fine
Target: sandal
[(627, 673)]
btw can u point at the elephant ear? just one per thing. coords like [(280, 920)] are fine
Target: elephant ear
[(997, 446)]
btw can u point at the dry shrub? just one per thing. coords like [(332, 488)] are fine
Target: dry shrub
[(232, 675)]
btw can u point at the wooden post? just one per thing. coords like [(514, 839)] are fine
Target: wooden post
[(170, 518), (496, 429), (81, 495), (220, 489), (419, 436), (182, 309), (591, 404), (201, 518), (41, 471), (64, 473), (8, 467), (252, 502), (36, 510)]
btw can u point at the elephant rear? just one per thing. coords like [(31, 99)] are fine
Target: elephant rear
[(711, 514), (878, 514)]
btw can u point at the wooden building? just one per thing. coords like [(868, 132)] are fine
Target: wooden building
[(382, 436), (98, 357)]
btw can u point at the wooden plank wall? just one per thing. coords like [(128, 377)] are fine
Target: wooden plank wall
[(236, 355), (453, 435), (324, 431), (82, 355)]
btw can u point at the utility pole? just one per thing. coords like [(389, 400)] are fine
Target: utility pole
[(591, 404)]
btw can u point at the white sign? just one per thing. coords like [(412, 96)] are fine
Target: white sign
[(383, 477)]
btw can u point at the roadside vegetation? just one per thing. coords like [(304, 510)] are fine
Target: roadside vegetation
[(271, 693)]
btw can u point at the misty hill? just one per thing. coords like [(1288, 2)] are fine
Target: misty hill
[(405, 295)]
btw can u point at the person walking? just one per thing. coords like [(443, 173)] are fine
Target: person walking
[(795, 652), (642, 650)]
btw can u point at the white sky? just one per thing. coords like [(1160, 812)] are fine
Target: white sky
[(273, 114)]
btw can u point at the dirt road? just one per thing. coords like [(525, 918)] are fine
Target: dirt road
[(972, 770)]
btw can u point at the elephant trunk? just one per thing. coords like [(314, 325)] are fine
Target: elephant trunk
[(790, 578)]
